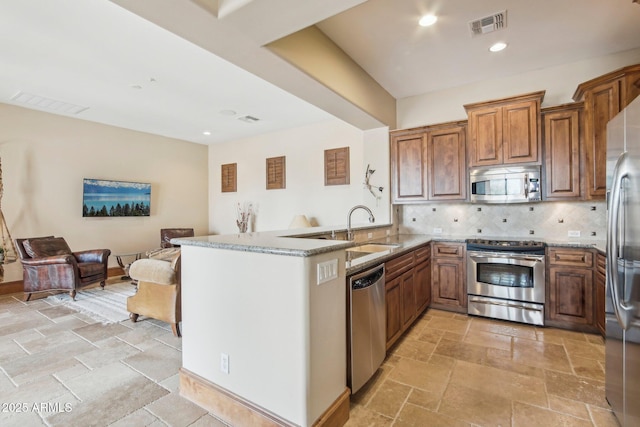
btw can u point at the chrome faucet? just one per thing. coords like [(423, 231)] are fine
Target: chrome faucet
[(371, 218)]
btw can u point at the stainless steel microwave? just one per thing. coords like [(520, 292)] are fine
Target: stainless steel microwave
[(505, 184)]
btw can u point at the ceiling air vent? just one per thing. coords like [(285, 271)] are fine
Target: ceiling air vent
[(47, 103), (488, 24)]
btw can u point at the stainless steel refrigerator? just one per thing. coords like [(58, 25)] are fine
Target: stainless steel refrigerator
[(623, 265)]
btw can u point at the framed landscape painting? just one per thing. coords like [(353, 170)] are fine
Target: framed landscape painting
[(105, 198)]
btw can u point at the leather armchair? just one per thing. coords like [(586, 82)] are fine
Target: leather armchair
[(49, 265), (166, 234), (158, 294)]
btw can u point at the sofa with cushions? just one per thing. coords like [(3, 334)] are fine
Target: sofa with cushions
[(49, 265)]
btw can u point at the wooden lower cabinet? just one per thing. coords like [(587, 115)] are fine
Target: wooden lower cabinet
[(423, 285), (571, 296), (407, 291), (570, 289), (407, 286), (448, 282), (393, 303)]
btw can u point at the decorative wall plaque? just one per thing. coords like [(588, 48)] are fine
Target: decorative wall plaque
[(229, 178), (276, 173), (336, 166)]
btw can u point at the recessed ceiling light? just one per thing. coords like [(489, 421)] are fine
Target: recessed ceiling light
[(206, 132), (427, 20), (497, 47)]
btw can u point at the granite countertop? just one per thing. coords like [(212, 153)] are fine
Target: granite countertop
[(302, 243), (283, 242), (600, 245), (266, 243), (401, 243), (295, 243)]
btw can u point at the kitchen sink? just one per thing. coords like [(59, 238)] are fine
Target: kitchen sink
[(373, 247)]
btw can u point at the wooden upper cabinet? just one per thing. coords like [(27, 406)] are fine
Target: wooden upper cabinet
[(561, 128), (603, 97), (505, 131), (429, 163), (408, 162), (485, 136), (447, 170), (602, 104)]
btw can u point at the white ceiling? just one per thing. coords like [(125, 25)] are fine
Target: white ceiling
[(134, 74), (406, 59)]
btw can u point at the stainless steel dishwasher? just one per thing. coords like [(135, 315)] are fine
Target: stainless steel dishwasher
[(367, 326)]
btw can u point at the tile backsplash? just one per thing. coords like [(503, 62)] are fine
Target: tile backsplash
[(542, 220)]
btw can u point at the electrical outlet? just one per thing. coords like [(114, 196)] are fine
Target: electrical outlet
[(437, 230), (224, 363), (369, 235), (573, 233)]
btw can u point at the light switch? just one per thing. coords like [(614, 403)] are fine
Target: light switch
[(327, 270)]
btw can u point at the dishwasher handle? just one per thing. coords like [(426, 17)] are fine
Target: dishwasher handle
[(368, 278)]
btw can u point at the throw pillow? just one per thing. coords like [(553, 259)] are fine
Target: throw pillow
[(42, 247)]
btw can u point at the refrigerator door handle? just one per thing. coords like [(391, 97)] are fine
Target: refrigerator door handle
[(624, 312)]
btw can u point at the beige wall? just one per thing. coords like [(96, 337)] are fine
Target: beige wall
[(560, 83), (46, 156), (305, 192)]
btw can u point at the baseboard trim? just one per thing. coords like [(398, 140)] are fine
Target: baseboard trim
[(239, 412), (114, 271), (337, 414), (11, 287)]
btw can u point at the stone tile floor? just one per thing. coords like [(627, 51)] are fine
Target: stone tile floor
[(449, 369), (455, 370)]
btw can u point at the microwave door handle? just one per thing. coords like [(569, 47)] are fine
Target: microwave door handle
[(526, 185), (624, 313)]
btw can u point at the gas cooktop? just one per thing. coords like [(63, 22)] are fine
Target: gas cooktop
[(505, 245)]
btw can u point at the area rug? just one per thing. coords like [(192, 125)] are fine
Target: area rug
[(108, 305)]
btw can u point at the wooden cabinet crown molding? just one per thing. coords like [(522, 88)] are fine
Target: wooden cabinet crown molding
[(426, 128), (584, 87), (579, 105), (533, 96)]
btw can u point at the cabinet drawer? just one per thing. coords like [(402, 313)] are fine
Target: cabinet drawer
[(450, 250), (423, 254), (399, 265), (571, 257), (601, 263)]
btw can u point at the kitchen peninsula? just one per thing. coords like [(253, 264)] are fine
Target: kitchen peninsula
[(264, 339), (265, 321)]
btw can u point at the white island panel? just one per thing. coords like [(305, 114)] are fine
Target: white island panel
[(284, 334)]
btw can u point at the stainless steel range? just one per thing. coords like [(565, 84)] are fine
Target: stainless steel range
[(506, 280)]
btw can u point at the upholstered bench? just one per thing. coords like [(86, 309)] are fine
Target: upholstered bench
[(158, 294)]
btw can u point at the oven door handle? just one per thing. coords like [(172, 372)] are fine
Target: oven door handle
[(481, 258), (500, 304)]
